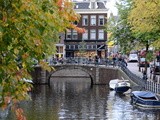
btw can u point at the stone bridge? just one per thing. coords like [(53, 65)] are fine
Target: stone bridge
[(97, 74)]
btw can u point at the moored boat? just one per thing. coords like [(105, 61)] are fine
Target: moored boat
[(145, 99), (113, 83), (122, 87)]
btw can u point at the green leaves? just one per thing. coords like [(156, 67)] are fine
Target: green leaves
[(119, 28), (29, 29)]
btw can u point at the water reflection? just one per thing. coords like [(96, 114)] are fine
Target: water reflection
[(74, 98)]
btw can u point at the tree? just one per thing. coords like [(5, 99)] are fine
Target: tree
[(145, 21), (82, 48), (29, 30), (119, 28)]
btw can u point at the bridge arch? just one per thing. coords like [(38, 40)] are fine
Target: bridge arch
[(58, 68)]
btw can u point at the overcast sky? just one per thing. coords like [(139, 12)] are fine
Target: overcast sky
[(112, 8)]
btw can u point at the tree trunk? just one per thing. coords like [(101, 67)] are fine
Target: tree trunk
[(146, 65)]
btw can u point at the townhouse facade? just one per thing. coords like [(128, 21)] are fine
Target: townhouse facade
[(93, 42)]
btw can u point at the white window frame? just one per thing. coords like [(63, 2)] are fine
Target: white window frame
[(68, 34), (93, 20), (100, 34), (69, 47), (85, 20), (85, 35), (92, 34), (75, 35), (101, 19)]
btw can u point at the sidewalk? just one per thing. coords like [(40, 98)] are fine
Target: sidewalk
[(133, 67), (151, 85)]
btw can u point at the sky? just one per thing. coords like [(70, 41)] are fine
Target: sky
[(111, 7)]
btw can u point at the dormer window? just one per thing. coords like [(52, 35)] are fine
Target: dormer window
[(92, 5)]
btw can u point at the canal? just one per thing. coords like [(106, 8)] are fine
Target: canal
[(75, 99)]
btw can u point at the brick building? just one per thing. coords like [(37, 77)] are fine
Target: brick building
[(93, 41)]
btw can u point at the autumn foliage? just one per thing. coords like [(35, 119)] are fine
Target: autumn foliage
[(145, 19), (29, 29)]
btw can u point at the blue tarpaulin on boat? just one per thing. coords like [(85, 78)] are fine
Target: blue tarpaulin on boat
[(144, 94)]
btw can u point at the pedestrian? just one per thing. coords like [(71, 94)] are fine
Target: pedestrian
[(96, 60), (89, 60), (144, 75), (114, 60), (124, 63)]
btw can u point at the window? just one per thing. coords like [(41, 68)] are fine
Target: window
[(75, 34), (100, 34), (60, 49), (85, 35), (93, 5), (101, 20), (93, 34), (72, 47), (69, 46), (94, 46), (84, 20), (88, 46), (72, 35), (93, 20), (68, 36), (76, 47)]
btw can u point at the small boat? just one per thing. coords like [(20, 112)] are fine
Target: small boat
[(120, 86), (113, 83), (145, 99)]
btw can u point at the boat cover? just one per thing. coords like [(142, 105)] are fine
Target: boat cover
[(144, 94)]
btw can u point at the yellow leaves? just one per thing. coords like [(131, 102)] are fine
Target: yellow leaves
[(37, 42), (45, 65), (156, 44), (25, 56), (144, 16), (16, 51), (27, 31)]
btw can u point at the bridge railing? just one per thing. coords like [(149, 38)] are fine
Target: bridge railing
[(83, 60), (145, 84), (138, 80)]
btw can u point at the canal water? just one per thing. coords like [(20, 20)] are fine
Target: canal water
[(76, 99)]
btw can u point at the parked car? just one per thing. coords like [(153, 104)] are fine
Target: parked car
[(141, 62), (133, 57)]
